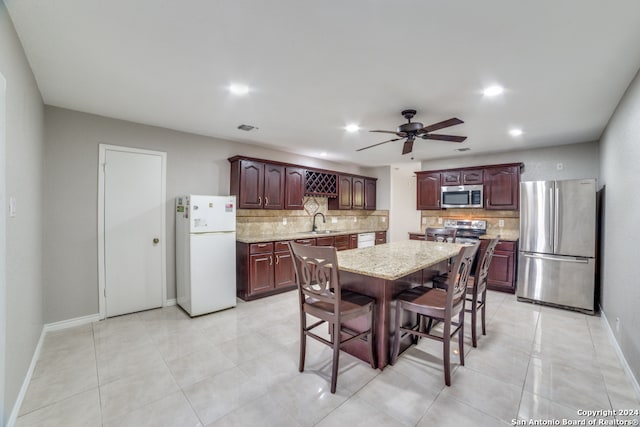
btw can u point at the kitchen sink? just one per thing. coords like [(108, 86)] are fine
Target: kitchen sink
[(321, 232)]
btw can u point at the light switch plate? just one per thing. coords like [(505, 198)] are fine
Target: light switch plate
[(439, 220), (424, 220), (12, 207), (334, 220), (501, 223), (284, 221)]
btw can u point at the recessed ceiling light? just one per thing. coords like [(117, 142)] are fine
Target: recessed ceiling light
[(494, 90), (247, 127), (515, 132), (323, 154), (352, 128), (238, 89), (463, 149)]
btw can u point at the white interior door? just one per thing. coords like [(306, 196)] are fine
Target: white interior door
[(134, 277)]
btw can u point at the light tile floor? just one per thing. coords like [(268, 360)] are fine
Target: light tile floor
[(239, 368)]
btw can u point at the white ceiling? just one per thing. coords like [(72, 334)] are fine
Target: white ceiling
[(314, 66)]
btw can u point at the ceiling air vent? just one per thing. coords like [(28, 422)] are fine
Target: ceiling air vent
[(247, 127)]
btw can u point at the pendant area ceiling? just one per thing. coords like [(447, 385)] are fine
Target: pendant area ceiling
[(315, 66)]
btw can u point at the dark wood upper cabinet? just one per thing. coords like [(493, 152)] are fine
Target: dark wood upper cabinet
[(264, 184), (472, 177), (357, 193), (247, 182), (502, 187), (428, 190), (451, 178), (273, 187), (294, 188), (370, 194)]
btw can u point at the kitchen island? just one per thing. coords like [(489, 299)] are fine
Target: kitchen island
[(384, 271)]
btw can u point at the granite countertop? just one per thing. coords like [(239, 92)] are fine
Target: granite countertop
[(391, 261), (506, 235), (269, 237)]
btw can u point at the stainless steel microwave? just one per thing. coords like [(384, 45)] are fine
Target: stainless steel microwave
[(461, 196)]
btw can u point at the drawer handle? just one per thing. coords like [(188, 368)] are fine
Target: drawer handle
[(262, 245), (277, 259), (260, 200), (266, 201), (270, 260)]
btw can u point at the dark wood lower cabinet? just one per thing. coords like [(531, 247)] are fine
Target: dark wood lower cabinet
[(417, 236), (502, 272), (381, 237)]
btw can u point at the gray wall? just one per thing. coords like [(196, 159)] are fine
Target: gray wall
[(195, 164), (620, 173), (578, 161), (23, 180)]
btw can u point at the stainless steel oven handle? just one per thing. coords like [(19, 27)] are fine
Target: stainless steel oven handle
[(579, 260)]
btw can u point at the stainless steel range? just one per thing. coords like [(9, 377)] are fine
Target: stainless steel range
[(469, 230)]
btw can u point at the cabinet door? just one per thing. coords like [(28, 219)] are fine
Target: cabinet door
[(344, 192), (451, 178), (428, 190), (502, 188), (370, 194), (284, 274), (273, 187), (357, 193), (294, 188), (251, 185), (353, 241), (472, 177), (501, 272), (342, 242), (260, 273)]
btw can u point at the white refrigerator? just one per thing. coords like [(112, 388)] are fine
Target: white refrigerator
[(205, 253)]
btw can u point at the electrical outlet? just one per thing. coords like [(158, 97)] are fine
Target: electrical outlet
[(559, 166), (284, 221), (334, 220), (439, 220), (355, 219), (424, 221), (384, 219), (501, 223), (617, 325)]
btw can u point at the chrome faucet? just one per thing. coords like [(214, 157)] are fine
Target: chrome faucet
[(324, 220)]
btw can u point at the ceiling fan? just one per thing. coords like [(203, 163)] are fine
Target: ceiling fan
[(412, 130)]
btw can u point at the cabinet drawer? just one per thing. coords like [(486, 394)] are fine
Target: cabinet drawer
[(259, 248), (281, 246), (506, 246), (307, 242), (325, 241)]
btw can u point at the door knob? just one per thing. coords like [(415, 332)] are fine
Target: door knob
[(156, 240)]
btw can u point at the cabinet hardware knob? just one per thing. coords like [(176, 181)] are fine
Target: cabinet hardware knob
[(266, 201)]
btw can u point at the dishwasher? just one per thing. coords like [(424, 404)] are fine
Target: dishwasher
[(366, 240)]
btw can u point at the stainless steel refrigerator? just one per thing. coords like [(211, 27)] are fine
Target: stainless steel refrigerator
[(556, 263)]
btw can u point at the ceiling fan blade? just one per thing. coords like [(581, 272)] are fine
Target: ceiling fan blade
[(444, 124), (401, 134), (379, 143), (408, 146), (450, 138)]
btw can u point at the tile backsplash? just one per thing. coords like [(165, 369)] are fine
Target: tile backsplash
[(511, 219), (262, 221)]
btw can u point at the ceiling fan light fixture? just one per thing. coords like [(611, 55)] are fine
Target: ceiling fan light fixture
[(494, 90), (352, 128)]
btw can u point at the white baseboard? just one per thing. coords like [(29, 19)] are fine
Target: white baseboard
[(27, 379), (170, 302), (623, 360), (47, 327), (70, 323)]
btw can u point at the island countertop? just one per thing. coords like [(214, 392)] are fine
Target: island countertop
[(391, 261)]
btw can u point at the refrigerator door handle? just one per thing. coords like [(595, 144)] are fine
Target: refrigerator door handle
[(556, 220), (580, 260), (551, 215)]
